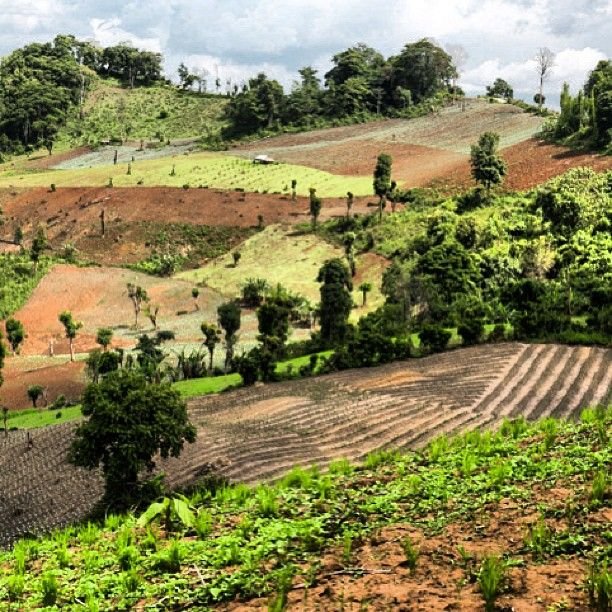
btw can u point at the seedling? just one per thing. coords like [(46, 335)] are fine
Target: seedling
[(411, 552), (490, 579)]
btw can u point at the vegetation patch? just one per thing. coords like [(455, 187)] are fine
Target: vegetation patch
[(19, 276)]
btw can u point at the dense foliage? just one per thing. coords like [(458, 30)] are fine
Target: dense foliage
[(587, 117), (361, 82), (18, 277), (538, 263), (130, 421), (42, 82)]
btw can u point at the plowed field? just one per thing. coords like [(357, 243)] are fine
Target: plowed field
[(256, 434)]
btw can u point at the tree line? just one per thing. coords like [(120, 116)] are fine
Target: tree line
[(361, 82), (41, 83)]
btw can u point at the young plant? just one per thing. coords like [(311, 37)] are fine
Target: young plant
[(600, 488), (539, 539), (491, 579), (171, 510), (411, 552), (267, 504), (49, 589), (347, 548), (599, 588)]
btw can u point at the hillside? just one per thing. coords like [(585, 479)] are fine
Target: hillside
[(518, 518), (257, 434), (154, 113)]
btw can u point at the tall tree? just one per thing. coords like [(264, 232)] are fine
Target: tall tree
[(212, 337), (130, 422), (545, 60), (315, 207), (336, 302), (138, 296), (104, 337), (488, 168), (382, 180), (71, 328), (500, 88), (229, 319), (39, 244)]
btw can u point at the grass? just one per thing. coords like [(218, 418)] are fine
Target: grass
[(279, 256), (114, 112), (262, 541), (34, 418), (17, 281), (195, 170)]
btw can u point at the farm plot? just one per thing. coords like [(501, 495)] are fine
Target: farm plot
[(279, 256), (195, 170), (98, 298), (423, 149), (256, 434), (403, 405)]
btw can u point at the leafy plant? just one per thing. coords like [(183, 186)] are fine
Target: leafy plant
[(411, 552), (599, 587), (49, 589), (171, 511)]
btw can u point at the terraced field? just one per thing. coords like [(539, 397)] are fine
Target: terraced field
[(256, 434)]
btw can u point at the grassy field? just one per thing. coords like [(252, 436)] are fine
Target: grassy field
[(195, 170), (513, 519), (150, 113), (35, 418), (279, 256)]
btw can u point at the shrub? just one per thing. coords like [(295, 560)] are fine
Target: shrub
[(49, 589), (411, 552), (471, 331), (434, 338), (498, 333)]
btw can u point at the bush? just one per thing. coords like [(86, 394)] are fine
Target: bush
[(497, 334), (471, 331), (434, 339)]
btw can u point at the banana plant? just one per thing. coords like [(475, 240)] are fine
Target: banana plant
[(170, 510)]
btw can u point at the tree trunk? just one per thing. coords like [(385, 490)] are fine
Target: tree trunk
[(364, 294), (71, 343)]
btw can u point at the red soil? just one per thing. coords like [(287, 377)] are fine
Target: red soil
[(531, 163)]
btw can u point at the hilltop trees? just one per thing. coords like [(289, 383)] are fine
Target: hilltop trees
[(138, 296), (336, 302), (545, 60), (130, 422), (212, 337), (315, 207), (71, 328), (501, 89), (104, 337), (487, 167)]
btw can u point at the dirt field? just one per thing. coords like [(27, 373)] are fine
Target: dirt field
[(98, 298), (258, 433), (73, 215)]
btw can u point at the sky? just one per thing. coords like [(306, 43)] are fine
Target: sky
[(235, 39)]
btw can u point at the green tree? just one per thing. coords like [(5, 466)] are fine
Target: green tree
[(212, 337), (315, 206), (336, 302), (365, 288), (71, 328), (39, 244), (131, 421), (15, 333), (2, 357), (382, 180), (138, 296), (104, 337), (488, 168), (229, 319), (273, 326), (34, 393), (501, 89)]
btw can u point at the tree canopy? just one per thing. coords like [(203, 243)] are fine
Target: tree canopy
[(130, 422)]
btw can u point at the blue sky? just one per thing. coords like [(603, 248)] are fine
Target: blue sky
[(237, 38)]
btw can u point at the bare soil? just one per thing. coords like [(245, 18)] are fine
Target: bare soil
[(73, 215)]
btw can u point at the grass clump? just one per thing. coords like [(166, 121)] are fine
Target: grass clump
[(491, 579)]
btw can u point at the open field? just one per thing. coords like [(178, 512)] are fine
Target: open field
[(195, 170), (279, 256), (256, 434)]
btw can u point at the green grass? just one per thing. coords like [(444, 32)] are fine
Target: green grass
[(114, 112), (275, 535), (205, 386), (278, 256), (195, 170), (17, 281), (34, 418)]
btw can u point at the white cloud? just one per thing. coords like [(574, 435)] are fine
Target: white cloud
[(108, 32)]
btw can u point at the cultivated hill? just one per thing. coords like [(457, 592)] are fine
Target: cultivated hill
[(258, 433)]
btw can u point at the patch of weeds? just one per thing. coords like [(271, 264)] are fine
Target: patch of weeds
[(411, 552), (599, 587)]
